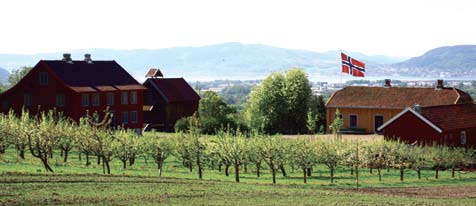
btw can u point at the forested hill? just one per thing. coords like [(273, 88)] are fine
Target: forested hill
[(3, 75), (221, 61), (449, 61)]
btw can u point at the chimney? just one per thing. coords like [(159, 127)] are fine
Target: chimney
[(67, 58), (387, 83), (417, 108), (87, 58), (439, 84)]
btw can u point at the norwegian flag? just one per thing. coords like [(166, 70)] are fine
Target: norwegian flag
[(352, 66)]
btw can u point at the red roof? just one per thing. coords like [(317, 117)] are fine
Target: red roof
[(395, 97), (451, 117), (173, 89)]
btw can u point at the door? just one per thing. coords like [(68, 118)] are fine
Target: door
[(378, 121)]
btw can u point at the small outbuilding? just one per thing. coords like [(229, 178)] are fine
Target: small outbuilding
[(452, 125), (166, 100)]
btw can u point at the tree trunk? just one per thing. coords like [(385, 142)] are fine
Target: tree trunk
[(124, 163), (22, 154), (219, 167), (309, 171), (79, 155), (304, 170), (87, 159), (108, 168), (132, 160), (418, 172), (401, 174), (273, 170), (436, 172), (99, 160), (65, 156), (453, 172), (190, 166), (160, 167), (283, 170), (351, 171), (258, 167), (332, 175), (199, 165), (379, 174), (226, 170), (237, 171), (245, 167), (370, 169), (61, 154), (45, 163)]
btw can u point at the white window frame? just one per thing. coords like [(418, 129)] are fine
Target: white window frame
[(124, 98), (96, 100), (27, 99), (43, 78), (133, 97), (85, 100), (60, 100), (356, 122), (463, 137), (134, 113), (110, 98), (124, 116)]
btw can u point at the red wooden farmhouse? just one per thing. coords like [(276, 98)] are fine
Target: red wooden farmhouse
[(167, 100), (452, 125), (75, 87)]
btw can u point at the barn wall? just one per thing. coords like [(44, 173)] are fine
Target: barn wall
[(409, 128), (365, 116), (45, 97)]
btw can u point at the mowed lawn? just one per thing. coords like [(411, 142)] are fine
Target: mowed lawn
[(25, 182)]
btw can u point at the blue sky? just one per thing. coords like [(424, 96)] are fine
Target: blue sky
[(398, 28)]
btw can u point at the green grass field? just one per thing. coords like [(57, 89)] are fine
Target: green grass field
[(25, 182)]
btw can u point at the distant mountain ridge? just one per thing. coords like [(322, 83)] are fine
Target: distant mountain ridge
[(255, 61), (448, 61), (222, 61)]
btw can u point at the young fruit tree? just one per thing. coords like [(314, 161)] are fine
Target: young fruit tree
[(304, 154), (330, 154)]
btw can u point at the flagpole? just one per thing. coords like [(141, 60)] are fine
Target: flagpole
[(340, 69)]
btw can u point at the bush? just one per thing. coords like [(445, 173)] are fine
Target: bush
[(182, 125)]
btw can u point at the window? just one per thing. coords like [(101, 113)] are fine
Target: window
[(133, 97), (95, 100), (60, 100), (5, 105), (27, 99), (124, 98), (463, 137), (110, 98), (124, 117), (353, 121), (134, 117), (85, 100), (43, 78)]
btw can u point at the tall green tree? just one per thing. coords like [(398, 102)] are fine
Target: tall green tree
[(280, 104), (215, 113), (17, 75)]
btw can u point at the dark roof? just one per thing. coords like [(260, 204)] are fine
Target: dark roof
[(97, 73), (173, 89), (451, 117), (395, 97)]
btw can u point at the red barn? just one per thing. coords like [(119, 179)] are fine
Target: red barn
[(75, 87), (452, 125), (167, 100)]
